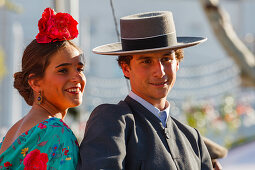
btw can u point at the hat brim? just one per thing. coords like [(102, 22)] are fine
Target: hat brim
[(116, 48)]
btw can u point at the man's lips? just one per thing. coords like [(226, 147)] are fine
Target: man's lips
[(159, 83)]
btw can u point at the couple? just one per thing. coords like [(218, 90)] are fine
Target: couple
[(137, 133)]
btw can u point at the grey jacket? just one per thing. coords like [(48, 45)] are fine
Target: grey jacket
[(128, 136)]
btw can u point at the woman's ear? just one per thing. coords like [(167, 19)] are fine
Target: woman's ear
[(34, 82), (125, 69)]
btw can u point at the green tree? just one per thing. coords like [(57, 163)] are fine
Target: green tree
[(2, 67), (10, 6)]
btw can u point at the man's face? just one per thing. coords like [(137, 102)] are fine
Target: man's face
[(152, 75)]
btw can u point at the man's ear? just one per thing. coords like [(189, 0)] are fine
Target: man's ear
[(125, 69), (177, 65), (34, 82)]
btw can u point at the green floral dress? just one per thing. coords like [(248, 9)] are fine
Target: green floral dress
[(50, 145)]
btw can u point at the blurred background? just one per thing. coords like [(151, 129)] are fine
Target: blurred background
[(214, 91)]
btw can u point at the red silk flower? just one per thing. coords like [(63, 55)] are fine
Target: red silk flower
[(7, 164), (56, 27), (36, 160)]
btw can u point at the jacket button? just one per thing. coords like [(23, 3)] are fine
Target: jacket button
[(167, 135)]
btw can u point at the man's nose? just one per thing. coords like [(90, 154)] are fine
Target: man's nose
[(159, 69)]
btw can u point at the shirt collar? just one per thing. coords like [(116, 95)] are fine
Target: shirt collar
[(149, 106)]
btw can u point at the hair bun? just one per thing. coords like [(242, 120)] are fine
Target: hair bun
[(21, 84)]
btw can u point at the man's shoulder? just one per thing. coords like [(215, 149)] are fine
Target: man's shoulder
[(120, 107), (112, 110), (185, 128), (108, 115)]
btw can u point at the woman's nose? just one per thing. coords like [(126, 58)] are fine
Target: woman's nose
[(78, 76)]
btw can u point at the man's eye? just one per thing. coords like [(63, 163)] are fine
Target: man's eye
[(147, 61), (165, 59)]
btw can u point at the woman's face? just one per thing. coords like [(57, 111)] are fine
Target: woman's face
[(64, 81)]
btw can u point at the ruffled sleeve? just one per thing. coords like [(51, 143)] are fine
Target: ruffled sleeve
[(50, 144), (1, 143), (59, 143)]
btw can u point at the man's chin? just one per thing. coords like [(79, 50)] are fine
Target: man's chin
[(162, 94)]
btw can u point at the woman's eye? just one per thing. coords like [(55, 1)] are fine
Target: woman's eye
[(64, 70), (80, 69)]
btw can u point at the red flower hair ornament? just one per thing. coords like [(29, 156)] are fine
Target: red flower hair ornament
[(56, 27)]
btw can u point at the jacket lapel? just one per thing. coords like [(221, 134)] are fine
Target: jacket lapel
[(166, 134)]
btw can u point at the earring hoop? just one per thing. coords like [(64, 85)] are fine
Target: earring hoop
[(39, 98)]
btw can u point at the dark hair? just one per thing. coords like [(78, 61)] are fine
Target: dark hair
[(35, 60), (179, 54)]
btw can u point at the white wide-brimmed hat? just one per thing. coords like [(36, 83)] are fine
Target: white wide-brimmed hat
[(147, 32)]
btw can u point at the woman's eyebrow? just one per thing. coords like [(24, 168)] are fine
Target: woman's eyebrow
[(81, 64), (63, 64), (67, 64)]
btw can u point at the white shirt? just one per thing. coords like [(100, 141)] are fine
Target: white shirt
[(159, 114)]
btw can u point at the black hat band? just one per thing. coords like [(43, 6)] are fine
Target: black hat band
[(149, 43)]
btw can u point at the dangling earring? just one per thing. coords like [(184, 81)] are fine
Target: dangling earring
[(39, 98)]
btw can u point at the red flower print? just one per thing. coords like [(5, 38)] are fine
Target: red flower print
[(64, 124), (45, 122), (26, 132), (66, 151), (7, 164), (36, 160), (56, 27), (42, 126), (63, 149), (76, 142)]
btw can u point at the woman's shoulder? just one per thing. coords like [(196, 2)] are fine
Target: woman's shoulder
[(47, 128), (60, 143), (51, 139), (56, 126), (49, 132)]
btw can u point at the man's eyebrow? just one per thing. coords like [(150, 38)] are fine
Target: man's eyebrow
[(171, 55), (143, 57), (168, 53)]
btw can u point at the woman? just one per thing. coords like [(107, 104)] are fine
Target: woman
[(51, 81)]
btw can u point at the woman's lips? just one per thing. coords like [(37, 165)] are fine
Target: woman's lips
[(74, 90)]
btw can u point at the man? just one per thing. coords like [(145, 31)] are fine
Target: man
[(139, 132)]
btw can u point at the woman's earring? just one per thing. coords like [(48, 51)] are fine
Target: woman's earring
[(39, 98)]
